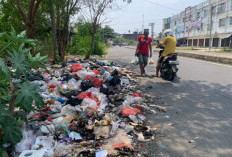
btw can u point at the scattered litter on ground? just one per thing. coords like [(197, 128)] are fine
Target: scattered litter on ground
[(92, 109)]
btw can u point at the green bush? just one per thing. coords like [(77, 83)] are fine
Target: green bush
[(16, 91), (81, 42)]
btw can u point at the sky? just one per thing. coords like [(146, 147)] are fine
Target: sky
[(130, 16)]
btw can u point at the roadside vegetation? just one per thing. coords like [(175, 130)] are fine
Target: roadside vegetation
[(33, 32)]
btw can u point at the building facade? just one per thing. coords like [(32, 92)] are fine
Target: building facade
[(193, 26)]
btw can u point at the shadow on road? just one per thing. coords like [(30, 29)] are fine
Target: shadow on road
[(197, 111)]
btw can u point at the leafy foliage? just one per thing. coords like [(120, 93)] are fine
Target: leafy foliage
[(12, 132), (4, 71), (107, 33), (19, 62), (37, 61), (82, 40), (26, 95), (13, 40)]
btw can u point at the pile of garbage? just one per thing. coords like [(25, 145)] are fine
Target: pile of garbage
[(93, 109)]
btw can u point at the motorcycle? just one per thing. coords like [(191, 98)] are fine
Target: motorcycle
[(168, 67)]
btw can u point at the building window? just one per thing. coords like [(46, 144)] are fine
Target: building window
[(231, 20), (198, 15), (202, 26), (221, 8), (222, 22), (205, 13), (213, 10)]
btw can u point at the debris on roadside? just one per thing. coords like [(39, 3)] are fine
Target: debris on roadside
[(92, 109)]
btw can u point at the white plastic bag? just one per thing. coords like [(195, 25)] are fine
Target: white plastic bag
[(135, 61), (151, 61)]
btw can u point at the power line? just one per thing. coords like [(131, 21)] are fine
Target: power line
[(162, 5), (137, 22)]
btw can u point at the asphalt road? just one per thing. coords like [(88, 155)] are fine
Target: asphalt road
[(199, 104)]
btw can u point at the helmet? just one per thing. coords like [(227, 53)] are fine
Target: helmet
[(168, 32)]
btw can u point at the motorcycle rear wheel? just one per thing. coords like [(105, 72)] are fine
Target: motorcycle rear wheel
[(167, 73)]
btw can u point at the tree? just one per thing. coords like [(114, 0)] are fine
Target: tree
[(29, 16), (64, 9), (107, 33), (96, 10), (54, 29)]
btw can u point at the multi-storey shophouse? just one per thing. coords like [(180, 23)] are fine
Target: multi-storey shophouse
[(193, 26)]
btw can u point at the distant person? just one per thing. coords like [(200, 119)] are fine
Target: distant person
[(169, 44), (142, 51)]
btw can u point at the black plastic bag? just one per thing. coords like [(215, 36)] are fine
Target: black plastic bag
[(115, 73), (85, 85), (66, 77), (72, 98), (115, 81), (104, 89), (35, 76)]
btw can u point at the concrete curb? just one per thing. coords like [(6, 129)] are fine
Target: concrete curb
[(215, 59)]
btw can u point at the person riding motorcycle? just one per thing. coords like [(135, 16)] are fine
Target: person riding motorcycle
[(169, 44)]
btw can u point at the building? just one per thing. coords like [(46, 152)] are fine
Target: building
[(133, 36), (193, 27)]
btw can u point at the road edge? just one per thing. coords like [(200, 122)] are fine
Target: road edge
[(214, 59)]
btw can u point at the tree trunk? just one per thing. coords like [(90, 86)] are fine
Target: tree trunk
[(54, 30), (13, 98), (63, 41), (93, 36)]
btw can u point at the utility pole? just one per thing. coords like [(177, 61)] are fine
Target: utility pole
[(152, 29), (211, 24), (143, 24)]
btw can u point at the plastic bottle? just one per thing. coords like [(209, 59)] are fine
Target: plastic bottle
[(114, 129)]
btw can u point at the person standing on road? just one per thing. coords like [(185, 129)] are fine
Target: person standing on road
[(142, 51), (169, 44)]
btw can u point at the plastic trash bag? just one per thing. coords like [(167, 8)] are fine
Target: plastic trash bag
[(151, 61), (72, 98), (127, 110), (75, 136), (114, 129), (75, 67), (115, 81), (131, 100), (102, 153), (96, 81), (115, 73), (104, 89), (33, 153), (107, 76), (87, 102), (46, 142), (66, 77), (73, 84), (96, 72), (27, 141), (86, 84), (135, 61), (83, 73)]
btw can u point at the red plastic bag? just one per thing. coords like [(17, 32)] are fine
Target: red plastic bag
[(88, 95), (123, 145), (96, 72), (127, 110), (76, 67), (96, 81), (135, 95), (85, 95), (52, 86)]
